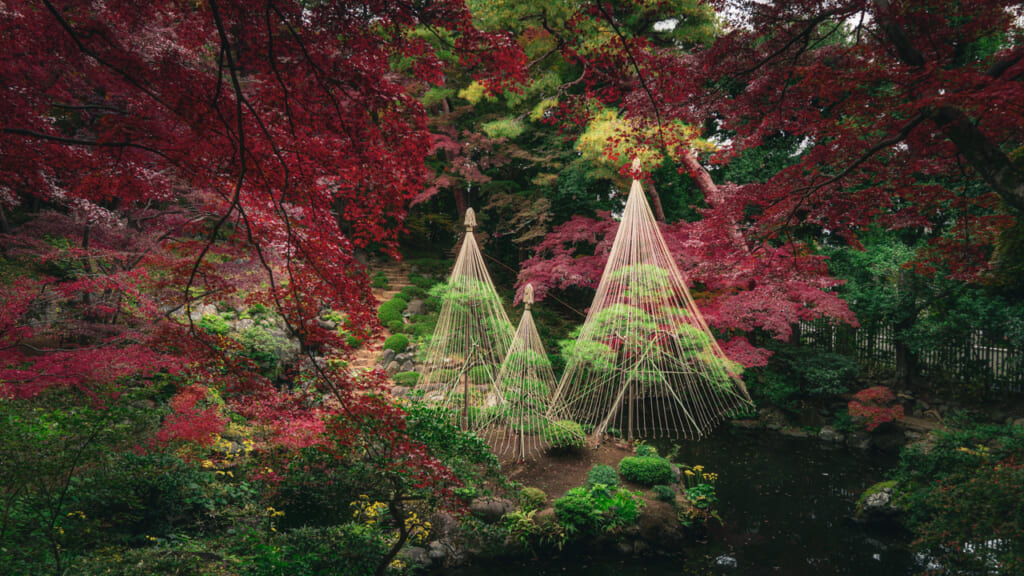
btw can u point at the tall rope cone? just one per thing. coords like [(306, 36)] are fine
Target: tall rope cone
[(525, 421), (472, 336), (645, 362)]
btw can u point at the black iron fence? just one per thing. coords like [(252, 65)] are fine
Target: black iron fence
[(975, 358)]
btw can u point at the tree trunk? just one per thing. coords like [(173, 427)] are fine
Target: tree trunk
[(713, 194), (659, 212)]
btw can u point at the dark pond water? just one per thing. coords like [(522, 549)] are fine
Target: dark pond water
[(787, 505)]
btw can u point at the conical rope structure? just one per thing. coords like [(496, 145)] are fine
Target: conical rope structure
[(645, 362), (473, 334), (525, 383)]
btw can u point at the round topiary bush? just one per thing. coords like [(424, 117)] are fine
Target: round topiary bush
[(602, 474), (564, 435), (397, 342), (396, 326), (407, 378), (646, 470)]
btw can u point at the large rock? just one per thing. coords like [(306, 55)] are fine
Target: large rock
[(416, 307), (416, 556), (831, 435), (877, 505), (443, 524), (658, 526), (437, 552), (859, 440), (386, 357), (393, 368), (490, 509), (409, 366)]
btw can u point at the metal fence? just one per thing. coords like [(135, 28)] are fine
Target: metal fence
[(975, 358)]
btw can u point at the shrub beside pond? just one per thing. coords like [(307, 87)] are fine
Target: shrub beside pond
[(646, 470)]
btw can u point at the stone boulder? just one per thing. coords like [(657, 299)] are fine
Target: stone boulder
[(416, 307), (877, 504), (490, 509), (831, 435)]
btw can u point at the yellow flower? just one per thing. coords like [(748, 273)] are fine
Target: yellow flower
[(698, 467), (690, 473)]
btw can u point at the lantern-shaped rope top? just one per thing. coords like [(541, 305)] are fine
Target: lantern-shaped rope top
[(645, 361), (471, 338), (524, 420)]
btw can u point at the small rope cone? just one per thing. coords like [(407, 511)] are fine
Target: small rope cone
[(525, 422), (472, 336)]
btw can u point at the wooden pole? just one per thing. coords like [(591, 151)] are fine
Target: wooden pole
[(465, 400)]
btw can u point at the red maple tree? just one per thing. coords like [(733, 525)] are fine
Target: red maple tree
[(906, 112)]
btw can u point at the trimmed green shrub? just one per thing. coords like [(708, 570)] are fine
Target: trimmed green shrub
[(412, 292), (396, 326), (407, 378), (379, 280), (397, 342), (564, 435), (602, 474), (531, 498), (646, 470), (664, 493), (646, 450)]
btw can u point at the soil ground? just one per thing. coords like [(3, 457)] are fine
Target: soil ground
[(556, 473)]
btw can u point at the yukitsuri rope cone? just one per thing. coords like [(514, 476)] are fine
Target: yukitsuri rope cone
[(473, 334), (525, 382), (645, 362)]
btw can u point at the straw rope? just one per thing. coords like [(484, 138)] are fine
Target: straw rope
[(645, 362), (472, 336)]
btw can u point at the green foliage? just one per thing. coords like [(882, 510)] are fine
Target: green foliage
[(396, 342), (482, 374), (645, 450), (380, 280), (964, 490), (578, 511), (412, 292), (797, 373), (407, 378), (602, 474), (265, 347), (396, 326), (703, 496), (599, 508), (214, 324), (664, 493), (564, 435), (354, 549), (392, 310), (531, 498), (646, 470)]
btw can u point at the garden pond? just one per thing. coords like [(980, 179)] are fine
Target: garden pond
[(787, 505)]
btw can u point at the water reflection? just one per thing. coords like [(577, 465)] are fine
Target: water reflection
[(787, 505)]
